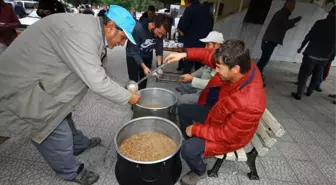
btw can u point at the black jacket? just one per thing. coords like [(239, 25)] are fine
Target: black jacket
[(279, 25), (52, 5), (321, 38), (196, 23)]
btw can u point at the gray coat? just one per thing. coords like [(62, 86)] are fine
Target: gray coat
[(279, 25), (48, 69)]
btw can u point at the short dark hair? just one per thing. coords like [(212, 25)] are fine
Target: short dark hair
[(232, 53), (151, 8), (163, 20)]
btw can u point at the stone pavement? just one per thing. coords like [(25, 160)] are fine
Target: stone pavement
[(305, 155)]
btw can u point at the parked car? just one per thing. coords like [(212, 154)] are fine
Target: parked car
[(29, 6), (29, 20)]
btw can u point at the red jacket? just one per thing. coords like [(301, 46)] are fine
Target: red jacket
[(8, 16), (234, 119)]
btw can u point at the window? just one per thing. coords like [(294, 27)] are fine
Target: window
[(30, 5)]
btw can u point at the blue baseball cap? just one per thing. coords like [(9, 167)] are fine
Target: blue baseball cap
[(123, 19)]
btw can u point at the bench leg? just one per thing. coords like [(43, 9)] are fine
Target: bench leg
[(251, 159), (214, 170)]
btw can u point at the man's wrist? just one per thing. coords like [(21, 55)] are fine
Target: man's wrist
[(143, 66)]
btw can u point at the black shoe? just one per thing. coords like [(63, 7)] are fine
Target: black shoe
[(296, 96), (93, 142), (318, 89), (308, 93), (334, 102), (332, 95), (85, 177)]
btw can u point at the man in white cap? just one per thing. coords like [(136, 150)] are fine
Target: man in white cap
[(200, 78), (47, 71)]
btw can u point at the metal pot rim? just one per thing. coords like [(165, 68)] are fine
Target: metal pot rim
[(148, 162), (156, 88)]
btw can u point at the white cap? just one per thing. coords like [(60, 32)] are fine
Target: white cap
[(214, 36)]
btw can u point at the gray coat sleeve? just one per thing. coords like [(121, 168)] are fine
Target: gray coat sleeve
[(198, 73), (134, 49), (79, 50)]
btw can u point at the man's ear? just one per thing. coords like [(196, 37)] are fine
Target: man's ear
[(236, 69)]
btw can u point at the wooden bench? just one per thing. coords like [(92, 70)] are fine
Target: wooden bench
[(264, 139)]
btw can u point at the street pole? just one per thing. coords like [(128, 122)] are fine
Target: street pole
[(217, 8), (241, 5)]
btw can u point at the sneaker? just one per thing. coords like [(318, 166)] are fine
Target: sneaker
[(93, 142), (191, 178), (318, 89), (85, 177)]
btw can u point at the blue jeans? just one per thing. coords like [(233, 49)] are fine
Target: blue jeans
[(321, 79), (193, 148), (59, 147)]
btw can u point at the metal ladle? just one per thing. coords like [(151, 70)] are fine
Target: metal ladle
[(133, 86)]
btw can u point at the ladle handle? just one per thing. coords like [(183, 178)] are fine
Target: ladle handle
[(152, 72)]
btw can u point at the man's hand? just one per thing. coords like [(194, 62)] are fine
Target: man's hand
[(134, 99), (186, 78), (180, 32), (189, 130), (146, 70), (175, 57)]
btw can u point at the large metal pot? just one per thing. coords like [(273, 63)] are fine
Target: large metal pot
[(161, 172), (165, 103)]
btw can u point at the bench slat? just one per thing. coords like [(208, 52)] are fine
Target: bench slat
[(264, 135), (256, 142), (229, 156), (273, 124), (241, 155)]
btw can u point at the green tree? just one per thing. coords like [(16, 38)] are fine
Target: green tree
[(138, 5)]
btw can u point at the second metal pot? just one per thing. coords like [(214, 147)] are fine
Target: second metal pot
[(156, 102)]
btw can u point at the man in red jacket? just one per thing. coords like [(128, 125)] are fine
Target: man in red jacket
[(228, 110)]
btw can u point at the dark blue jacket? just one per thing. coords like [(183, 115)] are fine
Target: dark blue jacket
[(145, 43), (321, 38), (196, 23)]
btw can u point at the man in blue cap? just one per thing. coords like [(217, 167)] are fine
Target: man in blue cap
[(45, 74)]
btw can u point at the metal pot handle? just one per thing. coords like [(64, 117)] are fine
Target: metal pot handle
[(152, 180), (172, 110)]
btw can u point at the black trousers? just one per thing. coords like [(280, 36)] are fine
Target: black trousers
[(309, 67), (187, 66), (135, 72), (267, 48)]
